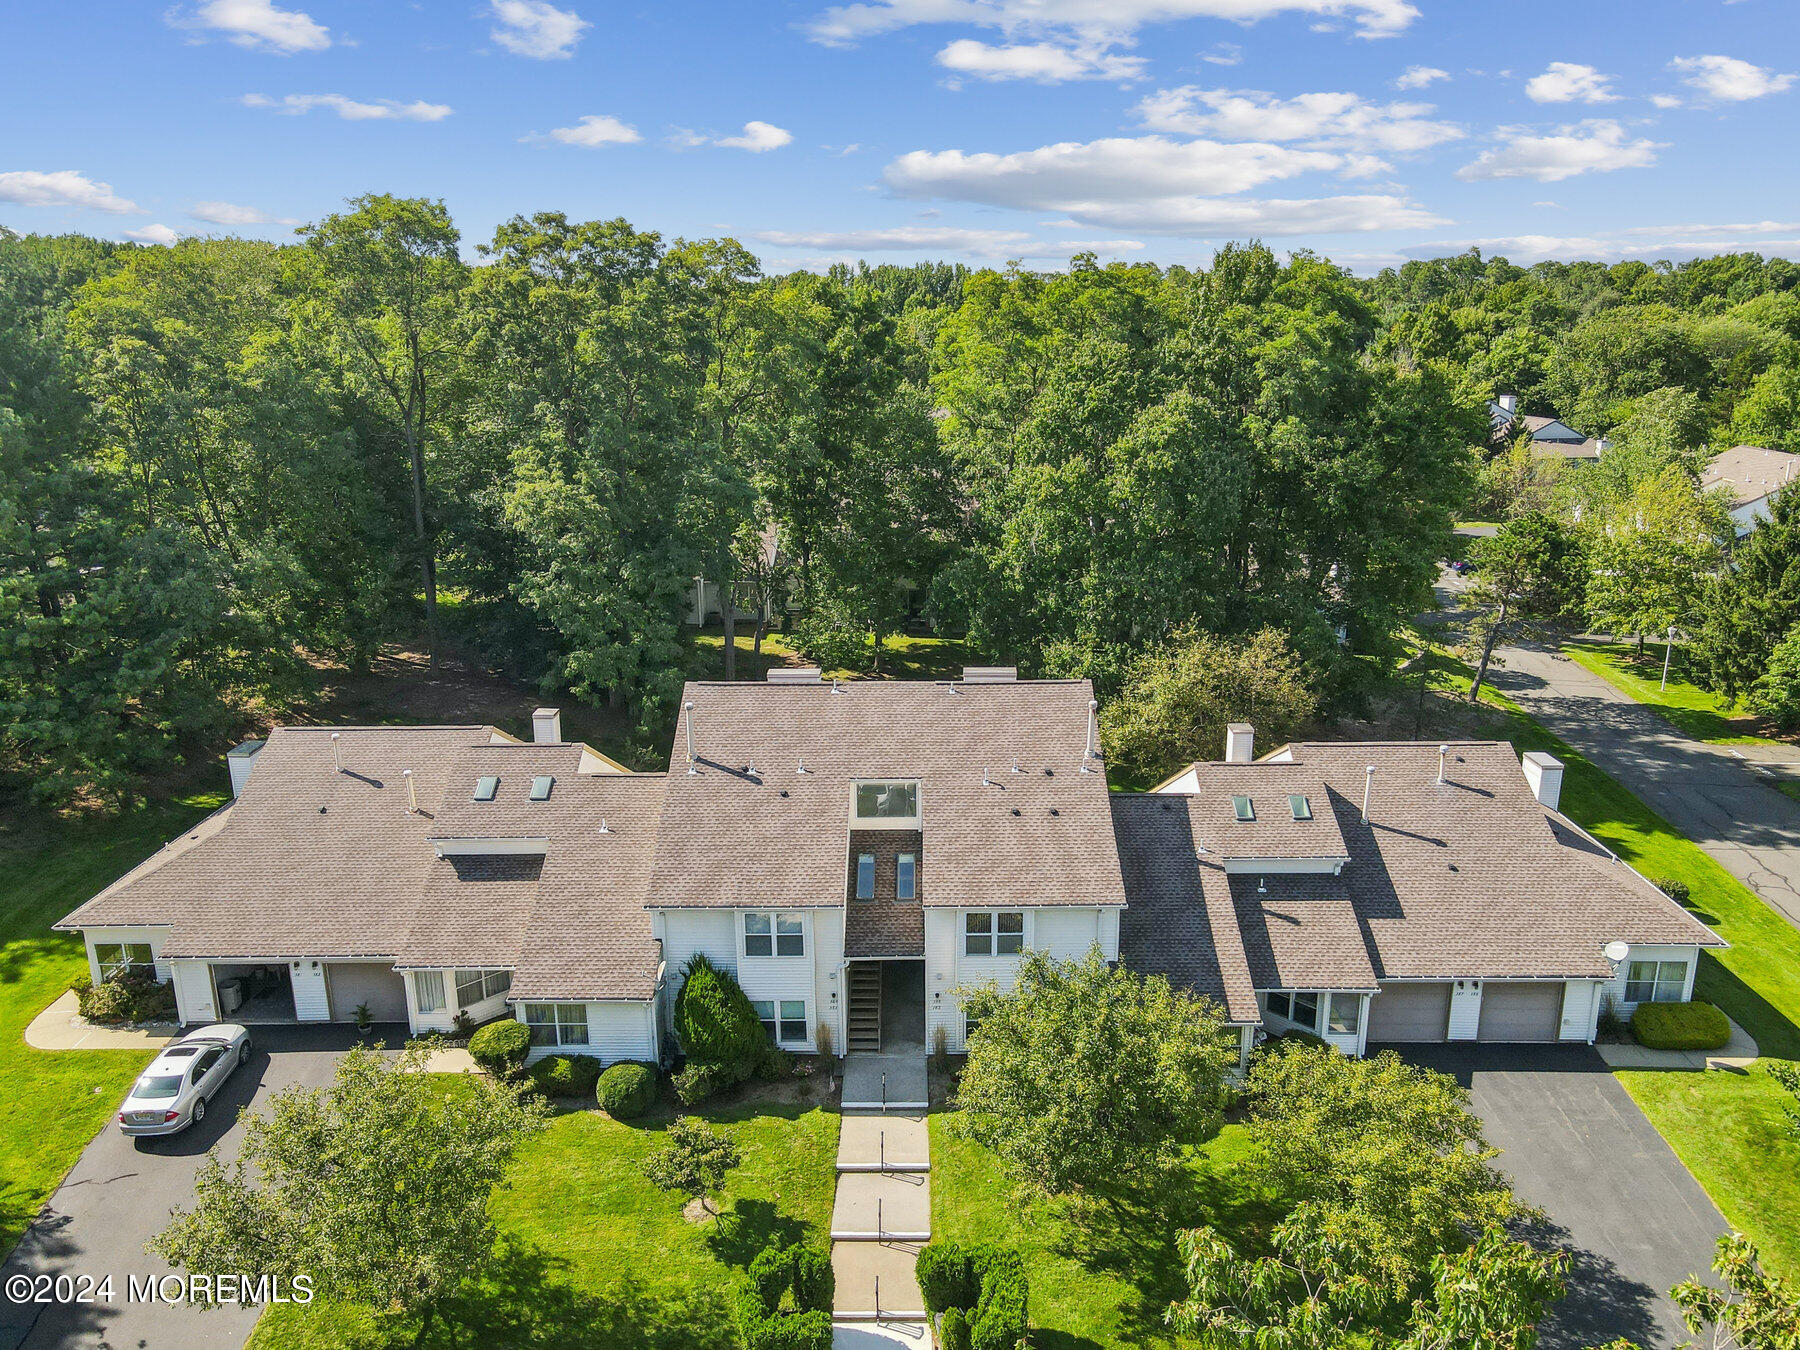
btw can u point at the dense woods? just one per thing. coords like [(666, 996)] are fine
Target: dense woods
[(222, 458)]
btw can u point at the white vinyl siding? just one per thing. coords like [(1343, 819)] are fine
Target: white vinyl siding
[(1063, 932), (615, 1031), (1616, 990), (153, 938)]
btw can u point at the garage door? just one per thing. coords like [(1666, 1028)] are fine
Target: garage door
[(1410, 1012), (376, 983), (1520, 1012)]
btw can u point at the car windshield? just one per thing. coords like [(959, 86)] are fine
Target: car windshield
[(157, 1086), (180, 1051)]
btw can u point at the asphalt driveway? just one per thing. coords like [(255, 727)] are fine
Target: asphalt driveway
[(120, 1193), (1576, 1146)]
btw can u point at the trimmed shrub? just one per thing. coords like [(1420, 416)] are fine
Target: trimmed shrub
[(946, 1277), (126, 997), (108, 1002), (699, 1080), (983, 1285), (777, 1271), (796, 1331), (566, 1075), (953, 1331), (776, 1065), (80, 985), (770, 1274), (1675, 890), (1680, 1026), (713, 1019), (1000, 1316), (815, 1286), (500, 1047), (626, 1091), (584, 1075)]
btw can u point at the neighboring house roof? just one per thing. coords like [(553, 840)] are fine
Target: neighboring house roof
[(1551, 437), (1176, 924), (1749, 472), (746, 827)]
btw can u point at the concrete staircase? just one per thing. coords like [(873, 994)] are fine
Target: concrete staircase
[(865, 1008), (880, 1219)]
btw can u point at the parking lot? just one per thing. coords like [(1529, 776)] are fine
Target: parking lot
[(119, 1195)]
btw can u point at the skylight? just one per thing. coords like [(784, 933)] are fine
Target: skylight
[(486, 787), (540, 788), (1243, 807), (1301, 808)]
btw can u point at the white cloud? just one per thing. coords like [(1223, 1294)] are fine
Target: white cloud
[(903, 238), (1100, 245), (153, 234), (258, 25), (64, 187), (1223, 54), (1151, 183), (1595, 146), (597, 129), (1755, 227), (535, 29), (386, 109), (1566, 82), (1335, 120), (1665, 101), (757, 137), (1417, 77), (1728, 79), (1044, 62), (1604, 247), (225, 213), (1106, 21)]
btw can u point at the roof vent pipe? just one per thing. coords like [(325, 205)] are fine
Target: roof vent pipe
[(985, 780), (1368, 782), (603, 829), (412, 793), (1093, 718), (1443, 750), (337, 759), (688, 708)]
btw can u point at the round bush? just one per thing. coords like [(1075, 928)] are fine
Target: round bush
[(953, 1331), (714, 1020), (626, 1091), (699, 1080), (107, 1002), (500, 1047), (1680, 1026)]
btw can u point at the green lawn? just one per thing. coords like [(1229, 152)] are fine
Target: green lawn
[(1104, 1281), (902, 657), (1704, 716), (57, 1101), (595, 1255)]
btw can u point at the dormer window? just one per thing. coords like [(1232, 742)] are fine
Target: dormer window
[(886, 805), (486, 787), (1300, 806), (1243, 808)]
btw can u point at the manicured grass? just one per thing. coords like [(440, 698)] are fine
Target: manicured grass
[(902, 657), (1729, 1130), (1704, 716), (596, 1255), (56, 1101), (1104, 1278)]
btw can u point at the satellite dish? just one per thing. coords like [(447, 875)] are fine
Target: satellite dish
[(1617, 951)]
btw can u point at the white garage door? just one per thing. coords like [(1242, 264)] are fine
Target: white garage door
[(1520, 1012), (376, 983), (1410, 1012)]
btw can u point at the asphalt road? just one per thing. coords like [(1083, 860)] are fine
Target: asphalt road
[(1705, 791), (120, 1193), (1575, 1145)]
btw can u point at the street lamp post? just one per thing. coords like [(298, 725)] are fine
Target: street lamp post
[(1668, 646)]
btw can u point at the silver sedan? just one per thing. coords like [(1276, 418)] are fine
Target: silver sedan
[(172, 1093)]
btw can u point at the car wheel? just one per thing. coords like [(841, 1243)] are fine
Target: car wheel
[(244, 1054), (199, 1110)]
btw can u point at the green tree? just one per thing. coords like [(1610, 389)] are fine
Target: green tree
[(1087, 1078), (1179, 698), (377, 1188), (693, 1162), (1652, 557), (1753, 602), (1380, 1149), (1528, 577), (1754, 1310), (1769, 414), (386, 278), (1313, 1294), (1776, 692)]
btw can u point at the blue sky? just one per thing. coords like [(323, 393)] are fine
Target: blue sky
[(976, 130)]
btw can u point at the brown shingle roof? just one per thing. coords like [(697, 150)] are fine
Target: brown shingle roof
[(1749, 472), (883, 928), (1274, 833), (1175, 925), (1300, 932), (747, 828)]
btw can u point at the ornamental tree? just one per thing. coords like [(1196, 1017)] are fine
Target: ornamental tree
[(694, 1162), (1087, 1078)]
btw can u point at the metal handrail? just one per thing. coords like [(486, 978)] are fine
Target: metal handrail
[(884, 1089)]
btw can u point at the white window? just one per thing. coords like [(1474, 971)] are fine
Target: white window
[(119, 958), (1306, 1011), (906, 877), (473, 986), (557, 1023), (1279, 1005), (767, 934), (428, 990), (1655, 981), (784, 1022), (887, 801), (865, 876), (1346, 1014), (998, 932)]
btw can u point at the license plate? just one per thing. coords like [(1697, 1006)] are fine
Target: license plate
[(145, 1117)]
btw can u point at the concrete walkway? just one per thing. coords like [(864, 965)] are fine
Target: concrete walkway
[(1737, 1054), (1707, 792), (885, 1082), (879, 1220), (62, 1027)]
